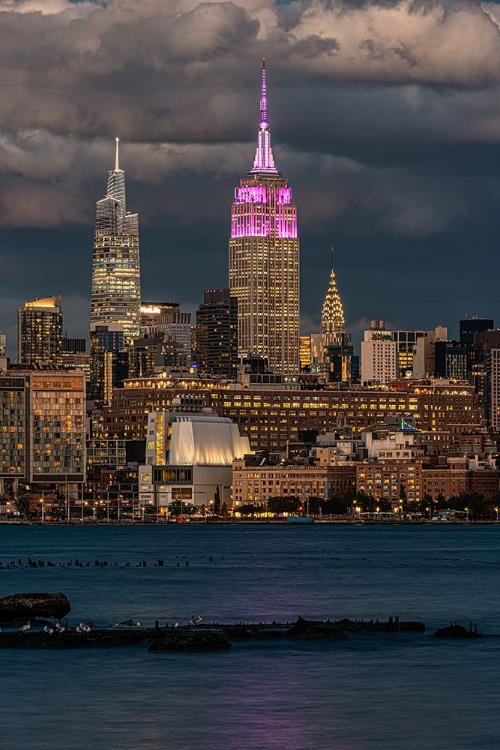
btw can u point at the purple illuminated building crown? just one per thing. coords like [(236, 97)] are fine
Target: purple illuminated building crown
[(263, 207)]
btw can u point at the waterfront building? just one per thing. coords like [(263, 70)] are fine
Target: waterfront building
[(189, 457), (264, 258), (42, 427), (397, 482), (273, 414), (217, 333), (116, 274), (40, 332), (256, 482), (378, 355)]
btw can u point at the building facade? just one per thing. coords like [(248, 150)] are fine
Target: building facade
[(189, 457), (116, 273), (264, 268), (42, 426), (217, 333), (40, 332), (274, 415), (378, 355), (109, 361), (256, 484)]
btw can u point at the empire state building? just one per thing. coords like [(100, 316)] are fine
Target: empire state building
[(116, 273), (264, 258)]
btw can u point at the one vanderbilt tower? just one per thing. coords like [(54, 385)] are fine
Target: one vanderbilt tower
[(264, 258), (116, 272)]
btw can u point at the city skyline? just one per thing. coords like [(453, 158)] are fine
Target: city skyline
[(391, 146)]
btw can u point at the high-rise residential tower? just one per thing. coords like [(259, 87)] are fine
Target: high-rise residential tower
[(264, 258), (40, 332), (116, 273)]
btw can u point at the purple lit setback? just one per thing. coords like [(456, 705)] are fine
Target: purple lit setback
[(259, 212), (250, 195)]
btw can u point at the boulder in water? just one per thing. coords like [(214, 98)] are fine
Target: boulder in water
[(457, 631), (28, 606)]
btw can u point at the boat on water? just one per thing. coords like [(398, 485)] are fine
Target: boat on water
[(300, 519)]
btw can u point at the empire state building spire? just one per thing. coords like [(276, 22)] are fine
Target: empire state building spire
[(264, 161)]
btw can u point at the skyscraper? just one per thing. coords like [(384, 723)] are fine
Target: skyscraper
[(40, 332), (116, 274), (336, 346), (108, 361), (264, 258), (217, 333), (332, 314)]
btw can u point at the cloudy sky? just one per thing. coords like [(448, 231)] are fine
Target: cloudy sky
[(385, 118)]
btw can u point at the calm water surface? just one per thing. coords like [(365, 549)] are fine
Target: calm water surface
[(405, 692)]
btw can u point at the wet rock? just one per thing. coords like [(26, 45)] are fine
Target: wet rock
[(315, 630), (458, 631), (392, 625), (191, 643), (242, 632), (28, 606), (71, 639)]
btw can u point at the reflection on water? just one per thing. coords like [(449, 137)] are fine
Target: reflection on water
[(406, 692)]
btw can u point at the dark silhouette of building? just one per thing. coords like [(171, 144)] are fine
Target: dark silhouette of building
[(470, 326), (74, 346), (451, 360), (108, 361), (217, 333)]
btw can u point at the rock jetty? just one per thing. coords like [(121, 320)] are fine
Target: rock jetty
[(191, 642)]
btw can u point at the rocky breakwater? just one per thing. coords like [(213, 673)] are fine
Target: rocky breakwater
[(309, 630), (23, 607), (194, 642)]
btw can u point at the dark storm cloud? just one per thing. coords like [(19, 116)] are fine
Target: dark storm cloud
[(385, 116)]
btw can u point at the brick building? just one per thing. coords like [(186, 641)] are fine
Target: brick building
[(271, 417)]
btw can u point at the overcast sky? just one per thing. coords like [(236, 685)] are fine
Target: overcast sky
[(385, 118)]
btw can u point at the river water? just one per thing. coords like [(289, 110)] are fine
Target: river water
[(392, 692)]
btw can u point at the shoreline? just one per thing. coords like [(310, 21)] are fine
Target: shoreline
[(252, 522)]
